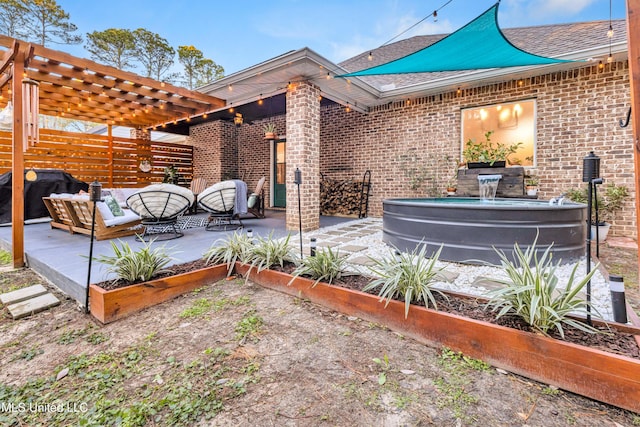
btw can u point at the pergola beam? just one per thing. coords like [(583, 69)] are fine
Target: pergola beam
[(633, 42)]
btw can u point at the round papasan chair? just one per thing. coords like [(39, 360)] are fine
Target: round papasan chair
[(159, 206)]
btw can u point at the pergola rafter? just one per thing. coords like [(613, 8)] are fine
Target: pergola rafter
[(85, 90), (81, 89)]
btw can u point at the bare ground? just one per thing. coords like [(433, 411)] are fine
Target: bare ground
[(238, 354)]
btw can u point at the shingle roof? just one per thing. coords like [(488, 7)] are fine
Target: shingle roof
[(545, 40)]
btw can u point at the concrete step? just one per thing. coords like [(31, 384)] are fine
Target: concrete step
[(22, 294), (33, 305)]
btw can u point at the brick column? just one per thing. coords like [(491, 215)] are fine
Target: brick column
[(215, 151), (303, 151)]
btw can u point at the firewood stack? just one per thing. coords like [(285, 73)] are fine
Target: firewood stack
[(340, 197)]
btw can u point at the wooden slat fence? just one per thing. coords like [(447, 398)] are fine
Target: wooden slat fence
[(88, 157)]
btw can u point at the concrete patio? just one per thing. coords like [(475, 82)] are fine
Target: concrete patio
[(62, 257)]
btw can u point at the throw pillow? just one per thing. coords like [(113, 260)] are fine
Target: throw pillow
[(115, 208)]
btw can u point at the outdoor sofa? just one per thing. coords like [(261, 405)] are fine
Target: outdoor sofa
[(73, 212)]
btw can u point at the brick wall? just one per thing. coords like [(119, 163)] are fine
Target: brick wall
[(215, 150), (577, 111)]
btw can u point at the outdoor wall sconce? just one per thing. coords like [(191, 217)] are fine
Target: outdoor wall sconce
[(145, 166), (238, 120)]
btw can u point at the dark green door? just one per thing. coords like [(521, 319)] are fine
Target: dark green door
[(280, 173)]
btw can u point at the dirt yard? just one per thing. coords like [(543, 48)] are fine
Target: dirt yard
[(237, 354)]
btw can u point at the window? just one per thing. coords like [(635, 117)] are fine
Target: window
[(509, 123)]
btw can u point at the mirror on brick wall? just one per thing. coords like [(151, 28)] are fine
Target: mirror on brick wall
[(508, 123)]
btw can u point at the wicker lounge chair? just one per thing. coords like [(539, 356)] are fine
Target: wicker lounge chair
[(160, 206), (220, 200)]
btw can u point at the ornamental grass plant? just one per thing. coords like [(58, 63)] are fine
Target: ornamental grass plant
[(325, 266), (534, 293), (141, 265), (407, 276), (234, 247), (267, 252)]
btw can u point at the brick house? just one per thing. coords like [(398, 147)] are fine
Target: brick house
[(341, 127)]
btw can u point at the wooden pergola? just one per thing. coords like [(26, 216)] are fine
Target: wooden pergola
[(81, 89)]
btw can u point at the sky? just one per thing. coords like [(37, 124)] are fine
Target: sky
[(240, 34)]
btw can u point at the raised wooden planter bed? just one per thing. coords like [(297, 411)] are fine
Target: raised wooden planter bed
[(596, 374), (108, 306)]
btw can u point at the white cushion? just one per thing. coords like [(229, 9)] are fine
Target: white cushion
[(105, 212), (212, 199), (127, 217)]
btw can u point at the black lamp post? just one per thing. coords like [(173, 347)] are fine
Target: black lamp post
[(95, 195), (298, 180), (591, 175)]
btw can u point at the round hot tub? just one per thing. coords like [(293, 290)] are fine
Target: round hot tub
[(471, 230)]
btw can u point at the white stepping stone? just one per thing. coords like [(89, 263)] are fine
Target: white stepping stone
[(447, 276), (33, 305), (361, 260), (487, 283), (353, 248), (22, 294)]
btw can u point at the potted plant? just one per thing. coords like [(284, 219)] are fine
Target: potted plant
[(269, 131), (452, 185), (531, 184), (487, 153), (609, 202)]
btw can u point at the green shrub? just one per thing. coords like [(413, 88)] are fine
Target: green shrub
[(227, 251), (531, 292), (325, 266), (407, 275), (609, 202), (267, 252), (141, 265)]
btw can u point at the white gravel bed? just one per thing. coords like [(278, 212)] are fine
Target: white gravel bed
[(464, 283)]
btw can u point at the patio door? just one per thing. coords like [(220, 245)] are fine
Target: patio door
[(279, 174)]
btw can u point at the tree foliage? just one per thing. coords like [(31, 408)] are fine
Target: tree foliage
[(154, 53), (198, 70), (12, 18), (46, 22), (113, 46)]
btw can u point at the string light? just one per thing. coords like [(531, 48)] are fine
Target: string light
[(230, 88), (328, 76), (459, 91), (600, 65), (204, 116), (370, 57), (435, 16), (162, 84)]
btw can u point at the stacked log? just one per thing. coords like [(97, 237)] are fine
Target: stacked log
[(340, 197)]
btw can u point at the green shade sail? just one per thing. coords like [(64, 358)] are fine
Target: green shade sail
[(479, 44)]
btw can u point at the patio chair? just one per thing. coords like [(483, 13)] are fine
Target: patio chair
[(160, 206), (225, 201), (197, 186), (255, 203)]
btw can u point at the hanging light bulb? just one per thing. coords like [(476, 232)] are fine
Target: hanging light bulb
[(600, 65), (610, 32), (435, 16), (609, 59), (370, 57)]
